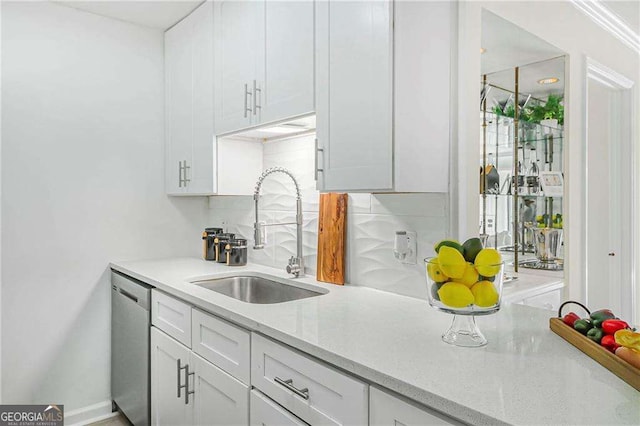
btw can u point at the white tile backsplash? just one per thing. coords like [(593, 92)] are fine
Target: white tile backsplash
[(372, 220)]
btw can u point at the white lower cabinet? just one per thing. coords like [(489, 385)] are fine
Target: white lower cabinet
[(188, 390), (265, 412), (313, 391), (234, 377), (168, 398), (219, 399), (387, 410)]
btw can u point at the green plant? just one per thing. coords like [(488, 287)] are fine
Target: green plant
[(550, 110)]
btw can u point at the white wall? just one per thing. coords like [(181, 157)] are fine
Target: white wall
[(565, 27), (82, 184), (371, 223)]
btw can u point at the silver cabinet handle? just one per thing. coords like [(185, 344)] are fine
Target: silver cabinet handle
[(247, 105), (302, 393), (180, 368), (179, 174), (256, 89), (317, 150), (188, 392), (186, 180)]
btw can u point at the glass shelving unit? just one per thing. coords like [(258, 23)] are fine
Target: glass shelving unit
[(512, 202)]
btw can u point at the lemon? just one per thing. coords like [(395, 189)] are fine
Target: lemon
[(484, 294), (488, 262), (451, 262), (472, 247), (455, 295), (435, 273), (470, 276), (449, 243)]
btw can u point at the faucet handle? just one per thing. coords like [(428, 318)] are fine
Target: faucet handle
[(294, 266)]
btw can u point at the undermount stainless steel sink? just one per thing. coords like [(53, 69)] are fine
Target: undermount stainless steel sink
[(256, 289)]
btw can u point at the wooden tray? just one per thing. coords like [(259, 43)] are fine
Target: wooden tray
[(611, 362)]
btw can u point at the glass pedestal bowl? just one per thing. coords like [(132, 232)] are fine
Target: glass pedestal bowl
[(466, 297)]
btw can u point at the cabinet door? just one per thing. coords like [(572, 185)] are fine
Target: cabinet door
[(422, 92), (168, 405), (387, 410), (178, 103), (288, 88), (237, 29), (200, 173), (219, 399), (265, 412), (354, 74)]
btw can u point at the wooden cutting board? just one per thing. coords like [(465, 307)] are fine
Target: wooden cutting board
[(332, 226)]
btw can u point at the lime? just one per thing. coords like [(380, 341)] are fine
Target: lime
[(482, 278), (488, 262), (484, 294), (472, 247), (448, 243), (470, 276), (435, 273), (455, 295), (434, 290), (451, 262)]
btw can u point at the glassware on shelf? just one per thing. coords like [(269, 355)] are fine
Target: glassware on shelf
[(533, 175), (489, 177), (464, 302)]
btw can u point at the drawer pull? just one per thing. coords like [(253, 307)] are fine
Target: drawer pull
[(302, 393)]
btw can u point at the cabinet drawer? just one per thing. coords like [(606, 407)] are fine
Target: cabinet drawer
[(316, 393), (550, 300), (386, 409), (171, 316), (223, 344), (265, 412)]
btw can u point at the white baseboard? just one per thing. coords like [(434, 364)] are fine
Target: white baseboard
[(89, 414)]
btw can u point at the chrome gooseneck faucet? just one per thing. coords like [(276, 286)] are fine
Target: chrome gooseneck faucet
[(296, 264)]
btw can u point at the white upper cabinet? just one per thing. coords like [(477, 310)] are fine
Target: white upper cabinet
[(354, 94), (237, 30), (264, 53), (197, 163), (189, 104), (383, 95), (288, 74)]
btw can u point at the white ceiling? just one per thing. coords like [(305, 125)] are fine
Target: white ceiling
[(154, 14)]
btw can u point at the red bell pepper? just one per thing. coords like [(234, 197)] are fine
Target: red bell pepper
[(609, 342), (570, 318), (610, 326)]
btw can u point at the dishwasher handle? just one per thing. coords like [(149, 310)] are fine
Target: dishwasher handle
[(131, 296)]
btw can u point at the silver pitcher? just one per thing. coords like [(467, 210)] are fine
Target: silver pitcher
[(547, 242)]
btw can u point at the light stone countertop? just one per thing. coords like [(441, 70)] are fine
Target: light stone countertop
[(525, 375)]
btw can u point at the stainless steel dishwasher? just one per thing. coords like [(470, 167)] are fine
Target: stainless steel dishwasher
[(130, 335)]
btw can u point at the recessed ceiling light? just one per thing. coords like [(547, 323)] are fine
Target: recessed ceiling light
[(549, 80), (482, 50)]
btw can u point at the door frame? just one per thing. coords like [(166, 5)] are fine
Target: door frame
[(624, 113)]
